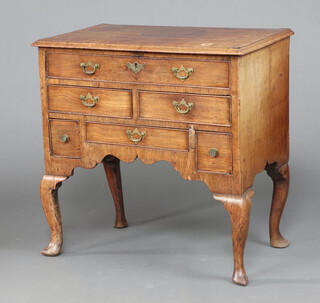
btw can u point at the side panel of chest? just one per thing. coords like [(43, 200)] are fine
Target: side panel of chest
[(264, 109)]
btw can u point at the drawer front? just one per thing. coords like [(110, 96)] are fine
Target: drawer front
[(188, 108), (90, 101), (137, 136), (214, 152), (170, 71), (64, 138)]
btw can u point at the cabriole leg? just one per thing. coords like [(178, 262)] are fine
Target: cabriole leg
[(112, 169), (50, 203), (239, 207), (281, 179)]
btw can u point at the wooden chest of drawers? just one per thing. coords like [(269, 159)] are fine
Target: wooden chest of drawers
[(211, 101)]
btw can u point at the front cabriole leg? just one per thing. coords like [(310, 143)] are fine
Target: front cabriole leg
[(50, 203), (239, 207), (281, 179)]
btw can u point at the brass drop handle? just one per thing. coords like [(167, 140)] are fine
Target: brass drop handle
[(187, 72), (136, 67), (89, 68), (213, 152), (93, 99), (64, 138), (187, 106), (139, 135)]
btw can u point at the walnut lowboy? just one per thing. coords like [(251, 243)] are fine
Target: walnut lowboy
[(211, 101)]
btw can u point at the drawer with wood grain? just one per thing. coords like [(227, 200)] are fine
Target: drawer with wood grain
[(139, 136), (64, 138), (187, 108), (90, 101), (214, 152), (165, 71)]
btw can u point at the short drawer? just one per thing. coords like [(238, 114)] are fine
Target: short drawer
[(90, 101), (188, 108), (64, 138), (138, 136), (214, 152), (170, 71)]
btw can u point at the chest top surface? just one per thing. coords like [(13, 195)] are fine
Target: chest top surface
[(196, 40)]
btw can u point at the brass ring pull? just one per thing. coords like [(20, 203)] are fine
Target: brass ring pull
[(187, 106), (91, 70), (93, 99), (176, 71), (213, 152), (64, 138), (136, 67), (134, 139)]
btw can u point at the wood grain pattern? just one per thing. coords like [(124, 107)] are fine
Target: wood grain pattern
[(70, 148), (239, 209), (195, 40), (154, 138), (112, 102), (207, 73), (208, 109), (222, 163), (264, 118), (91, 82), (50, 203)]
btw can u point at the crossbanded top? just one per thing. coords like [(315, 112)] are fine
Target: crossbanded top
[(168, 39)]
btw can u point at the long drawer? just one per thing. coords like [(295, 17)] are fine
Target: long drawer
[(137, 136), (187, 108), (166, 71), (90, 101)]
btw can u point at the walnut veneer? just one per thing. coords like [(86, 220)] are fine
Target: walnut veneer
[(211, 101)]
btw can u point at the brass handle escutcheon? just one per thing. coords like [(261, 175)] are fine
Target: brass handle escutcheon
[(92, 67), (64, 138), (93, 99), (187, 72), (133, 138), (136, 67), (183, 103), (213, 152)]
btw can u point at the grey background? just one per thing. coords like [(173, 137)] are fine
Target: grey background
[(178, 246)]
